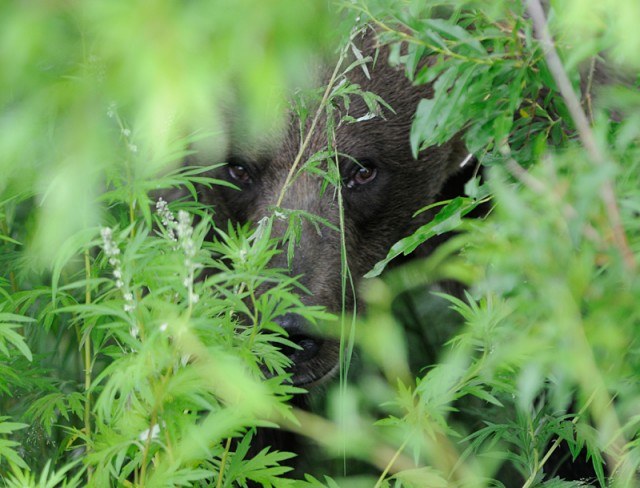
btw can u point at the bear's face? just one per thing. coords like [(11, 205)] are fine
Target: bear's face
[(382, 186)]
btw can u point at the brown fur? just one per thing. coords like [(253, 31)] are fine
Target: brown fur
[(377, 214)]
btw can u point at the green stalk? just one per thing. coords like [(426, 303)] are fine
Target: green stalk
[(390, 464), (159, 395), (314, 122), (4, 228), (87, 357), (223, 462)]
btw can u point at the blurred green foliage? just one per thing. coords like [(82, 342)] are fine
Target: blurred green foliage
[(89, 88), (122, 364)]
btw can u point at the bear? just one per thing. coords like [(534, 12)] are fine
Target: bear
[(382, 186)]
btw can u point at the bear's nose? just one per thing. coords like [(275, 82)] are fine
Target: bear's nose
[(297, 329), (291, 323), (314, 358)]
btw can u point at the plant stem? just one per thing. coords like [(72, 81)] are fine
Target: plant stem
[(4, 228), (255, 317), (147, 446), (314, 122), (87, 357), (223, 462), (346, 342), (384, 473), (557, 443), (154, 421)]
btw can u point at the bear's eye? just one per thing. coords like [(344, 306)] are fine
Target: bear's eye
[(239, 173), (361, 176)]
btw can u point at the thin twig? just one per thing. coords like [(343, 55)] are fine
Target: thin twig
[(312, 128), (390, 464), (583, 127), (548, 454), (589, 87)]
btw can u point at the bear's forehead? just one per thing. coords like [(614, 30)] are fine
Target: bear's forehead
[(375, 138)]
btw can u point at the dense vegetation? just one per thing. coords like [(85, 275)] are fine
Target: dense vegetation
[(122, 364)]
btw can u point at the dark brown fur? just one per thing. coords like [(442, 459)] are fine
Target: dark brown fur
[(376, 214)]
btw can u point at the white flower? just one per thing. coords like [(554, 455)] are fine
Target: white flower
[(161, 205), (106, 234), (109, 247), (134, 331), (180, 230), (111, 110), (112, 251), (166, 217), (184, 228)]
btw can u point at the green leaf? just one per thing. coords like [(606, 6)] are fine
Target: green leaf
[(446, 220), (7, 334), (421, 477), (7, 450)]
